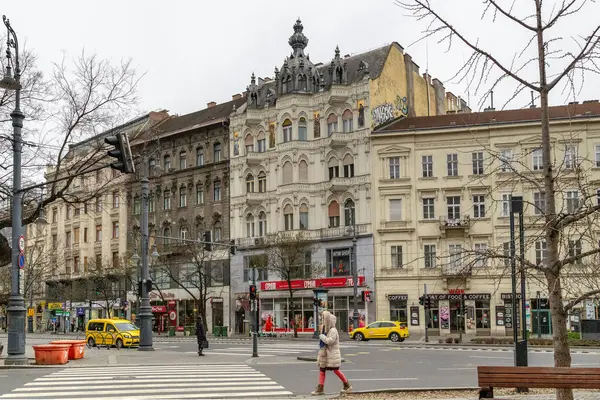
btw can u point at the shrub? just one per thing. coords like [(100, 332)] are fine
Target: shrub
[(456, 340), (574, 336), (449, 340), (441, 340)]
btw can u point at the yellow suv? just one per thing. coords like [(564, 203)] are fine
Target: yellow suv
[(395, 331), (112, 332)]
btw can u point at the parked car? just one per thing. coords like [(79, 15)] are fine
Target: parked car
[(392, 330), (112, 332)]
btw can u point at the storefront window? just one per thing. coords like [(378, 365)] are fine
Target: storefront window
[(338, 261), (398, 310), (482, 314), (433, 321), (266, 310), (280, 315), (308, 321)]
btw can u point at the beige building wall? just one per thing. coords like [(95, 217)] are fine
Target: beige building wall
[(405, 234)]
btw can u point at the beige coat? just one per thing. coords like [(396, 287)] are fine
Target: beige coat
[(330, 356)]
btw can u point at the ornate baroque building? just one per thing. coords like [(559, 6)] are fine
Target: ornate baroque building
[(301, 160)]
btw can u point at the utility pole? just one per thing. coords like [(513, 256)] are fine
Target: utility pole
[(254, 308), (146, 286)]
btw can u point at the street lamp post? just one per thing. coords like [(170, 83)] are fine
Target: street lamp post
[(354, 269), (145, 308), (16, 302)]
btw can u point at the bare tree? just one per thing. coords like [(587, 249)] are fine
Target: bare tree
[(106, 283), (290, 257), (482, 65), (88, 96), (197, 270)]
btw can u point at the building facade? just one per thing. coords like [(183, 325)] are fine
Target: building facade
[(188, 165), (442, 189), (300, 162), (85, 237)]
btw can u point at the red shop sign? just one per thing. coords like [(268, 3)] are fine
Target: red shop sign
[(323, 283), (172, 303), (159, 309)]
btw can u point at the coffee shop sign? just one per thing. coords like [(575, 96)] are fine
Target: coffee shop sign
[(164, 295)]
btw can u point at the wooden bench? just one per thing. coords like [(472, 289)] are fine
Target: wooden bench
[(535, 377)]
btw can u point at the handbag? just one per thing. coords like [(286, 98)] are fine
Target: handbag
[(204, 344)]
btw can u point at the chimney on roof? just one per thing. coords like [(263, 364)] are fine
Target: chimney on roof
[(236, 96), (211, 104), (590, 101), (347, 56), (491, 107), (532, 105), (573, 103)]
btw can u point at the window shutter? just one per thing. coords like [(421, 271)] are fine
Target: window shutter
[(395, 210), (332, 118), (303, 171), (287, 173), (348, 159), (334, 209), (249, 140)]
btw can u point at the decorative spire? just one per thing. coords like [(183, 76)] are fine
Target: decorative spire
[(298, 40), (253, 79), (337, 51)]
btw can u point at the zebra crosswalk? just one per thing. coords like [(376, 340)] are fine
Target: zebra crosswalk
[(151, 382)]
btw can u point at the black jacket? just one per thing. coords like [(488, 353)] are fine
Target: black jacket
[(200, 332)]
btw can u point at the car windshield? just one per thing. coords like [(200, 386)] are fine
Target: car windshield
[(126, 326)]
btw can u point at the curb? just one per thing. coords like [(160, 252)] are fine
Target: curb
[(310, 358), (534, 349), (32, 366), (420, 389)]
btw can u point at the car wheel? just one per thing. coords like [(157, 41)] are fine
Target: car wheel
[(401, 339), (119, 343), (394, 337), (359, 337), (91, 342)]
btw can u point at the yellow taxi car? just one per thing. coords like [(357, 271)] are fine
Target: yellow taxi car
[(112, 332), (393, 330)]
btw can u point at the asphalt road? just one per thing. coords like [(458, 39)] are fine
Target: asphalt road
[(372, 365)]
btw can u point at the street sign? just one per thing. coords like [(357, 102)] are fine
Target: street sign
[(30, 312), (21, 244), (21, 260)]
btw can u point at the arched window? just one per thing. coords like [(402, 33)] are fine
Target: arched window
[(262, 182), (288, 217), (332, 123), (303, 171), (287, 131), (167, 162), (262, 224), (250, 226), (334, 214), (334, 168), (183, 233), (166, 235), (182, 160), (199, 194), (182, 197), (302, 130), (249, 141), (349, 213), (261, 142), (217, 152), (303, 216), (348, 166), (288, 173), (347, 121), (250, 183), (217, 190), (199, 156), (302, 83)]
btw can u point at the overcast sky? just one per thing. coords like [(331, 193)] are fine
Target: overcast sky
[(194, 52)]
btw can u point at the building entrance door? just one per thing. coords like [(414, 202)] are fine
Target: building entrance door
[(342, 320), (545, 324), (457, 322)]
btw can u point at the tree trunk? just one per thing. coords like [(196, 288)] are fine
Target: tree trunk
[(291, 317)]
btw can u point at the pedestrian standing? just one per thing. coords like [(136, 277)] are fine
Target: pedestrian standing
[(201, 335), (329, 357)]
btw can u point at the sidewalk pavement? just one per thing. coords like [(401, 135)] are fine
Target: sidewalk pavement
[(98, 357)]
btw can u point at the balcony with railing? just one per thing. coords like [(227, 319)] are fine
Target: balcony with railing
[(254, 116), (340, 139), (256, 157), (339, 94), (456, 269), (342, 184), (450, 223), (256, 198), (339, 232)]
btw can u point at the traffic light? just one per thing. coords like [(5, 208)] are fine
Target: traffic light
[(429, 303), (122, 152), (232, 247), (208, 241), (422, 300), (464, 309), (252, 292)]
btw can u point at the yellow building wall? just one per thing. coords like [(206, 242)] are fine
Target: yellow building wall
[(388, 93), (420, 105)]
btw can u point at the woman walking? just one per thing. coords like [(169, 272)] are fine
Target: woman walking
[(201, 335), (329, 357)]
